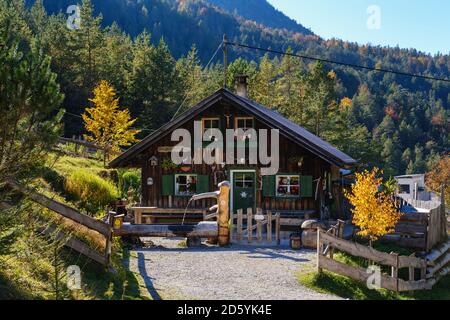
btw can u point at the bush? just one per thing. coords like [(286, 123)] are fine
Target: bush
[(129, 180), (92, 192)]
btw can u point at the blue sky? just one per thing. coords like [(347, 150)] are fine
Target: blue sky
[(420, 24)]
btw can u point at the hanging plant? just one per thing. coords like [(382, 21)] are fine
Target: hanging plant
[(168, 164)]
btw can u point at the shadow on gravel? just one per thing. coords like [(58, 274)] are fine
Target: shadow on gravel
[(147, 279)]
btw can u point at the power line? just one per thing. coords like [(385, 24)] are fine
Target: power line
[(337, 62), (206, 67)]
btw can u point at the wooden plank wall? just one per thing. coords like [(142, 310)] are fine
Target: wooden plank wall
[(313, 166)]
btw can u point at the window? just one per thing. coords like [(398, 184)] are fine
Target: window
[(185, 184), (288, 186), (210, 123), (244, 123), (404, 188), (244, 180)]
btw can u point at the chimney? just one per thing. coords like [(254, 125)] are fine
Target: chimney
[(241, 86)]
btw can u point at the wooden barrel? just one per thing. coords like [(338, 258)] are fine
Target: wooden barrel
[(309, 238), (296, 241)]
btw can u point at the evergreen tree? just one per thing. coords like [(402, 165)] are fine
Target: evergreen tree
[(264, 89), (29, 100), (155, 83), (192, 79)]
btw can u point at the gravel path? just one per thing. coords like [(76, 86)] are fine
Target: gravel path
[(239, 272)]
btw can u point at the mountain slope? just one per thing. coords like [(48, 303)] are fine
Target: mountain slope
[(261, 12), (183, 23)]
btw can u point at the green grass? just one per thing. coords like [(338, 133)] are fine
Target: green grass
[(26, 270), (344, 287), (25, 276), (65, 165)]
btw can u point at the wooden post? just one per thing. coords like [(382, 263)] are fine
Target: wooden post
[(239, 225), (109, 239), (170, 202), (394, 272), (319, 251), (269, 226), (277, 230), (137, 216), (249, 224), (259, 212), (224, 214), (443, 233)]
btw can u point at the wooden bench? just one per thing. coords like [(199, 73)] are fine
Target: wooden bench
[(153, 215)]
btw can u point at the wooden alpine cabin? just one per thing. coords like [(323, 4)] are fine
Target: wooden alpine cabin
[(308, 181)]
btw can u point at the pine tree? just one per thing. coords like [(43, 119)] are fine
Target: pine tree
[(192, 79), (319, 99), (155, 83), (289, 87), (29, 101), (264, 89)]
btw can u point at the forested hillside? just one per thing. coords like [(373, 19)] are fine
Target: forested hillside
[(397, 122), (261, 12)]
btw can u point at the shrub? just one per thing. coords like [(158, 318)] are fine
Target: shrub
[(92, 192), (128, 180)]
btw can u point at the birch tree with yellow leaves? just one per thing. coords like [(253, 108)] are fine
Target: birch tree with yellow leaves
[(374, 211), (109, 127)]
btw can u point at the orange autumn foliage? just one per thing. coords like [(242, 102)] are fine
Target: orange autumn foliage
[(440, 176)]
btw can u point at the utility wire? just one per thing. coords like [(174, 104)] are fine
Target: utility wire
[(337, 62), (206, 67)]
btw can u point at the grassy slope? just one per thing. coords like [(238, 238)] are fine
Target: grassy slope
[(31, 276)]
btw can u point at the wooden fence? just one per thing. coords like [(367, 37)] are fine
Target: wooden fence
[(422, 275), (424, 229), (66, 212), (250, 226)]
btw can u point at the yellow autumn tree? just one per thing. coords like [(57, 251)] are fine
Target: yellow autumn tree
[(439, 177), (109, 127), (374, 211)]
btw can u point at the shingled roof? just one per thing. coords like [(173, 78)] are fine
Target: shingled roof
[(268, 116)]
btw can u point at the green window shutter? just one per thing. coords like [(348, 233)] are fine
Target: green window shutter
[(168, 185), (202, 184), (306, 186), (268, 186)]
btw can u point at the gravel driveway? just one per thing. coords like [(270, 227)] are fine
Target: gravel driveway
[(239, 272)]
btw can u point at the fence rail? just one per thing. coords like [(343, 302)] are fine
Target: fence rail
[(424, 229), (429, 274), (103, 228)]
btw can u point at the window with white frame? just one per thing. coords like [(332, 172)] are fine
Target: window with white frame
[(288, 185), (185, 184)]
